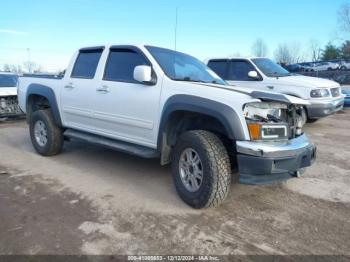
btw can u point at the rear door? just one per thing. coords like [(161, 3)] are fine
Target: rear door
[(125, 109), (220, 67), (79, 90)]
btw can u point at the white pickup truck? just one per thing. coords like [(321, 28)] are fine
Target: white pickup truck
[(8, 96), (325, 96), (158, 103)]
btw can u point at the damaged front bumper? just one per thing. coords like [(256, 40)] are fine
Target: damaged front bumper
[(268, 162), (9, 107)]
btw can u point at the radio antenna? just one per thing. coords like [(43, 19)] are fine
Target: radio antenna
[(177, 8)]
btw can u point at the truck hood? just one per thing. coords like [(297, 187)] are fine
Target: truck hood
[(264, 95), (8, 91), (306, 81)]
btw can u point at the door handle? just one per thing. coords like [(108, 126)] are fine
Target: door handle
[(69, 86), (103, 89), (271, 87)]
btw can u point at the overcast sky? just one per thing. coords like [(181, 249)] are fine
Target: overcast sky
[(52, 30)]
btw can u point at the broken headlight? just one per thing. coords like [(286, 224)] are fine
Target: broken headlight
[(267, 121)]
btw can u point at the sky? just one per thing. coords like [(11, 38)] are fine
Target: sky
[(52, 30)]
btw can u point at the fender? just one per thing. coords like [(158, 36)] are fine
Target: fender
[(223, 113), (48, 93)]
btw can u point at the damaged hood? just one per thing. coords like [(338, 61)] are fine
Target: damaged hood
[(8, 91), (263, 95), (271, 96)]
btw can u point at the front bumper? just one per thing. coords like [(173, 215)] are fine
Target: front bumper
[(269, 162), (347, 102), (324, 108)]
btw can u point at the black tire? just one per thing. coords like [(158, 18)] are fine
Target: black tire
[(309, 120), (216, 169), (55, 139)]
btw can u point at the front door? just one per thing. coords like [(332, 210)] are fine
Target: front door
[(124, 108)]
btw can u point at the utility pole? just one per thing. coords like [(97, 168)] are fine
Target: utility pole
[(176, 27), (28, 59)]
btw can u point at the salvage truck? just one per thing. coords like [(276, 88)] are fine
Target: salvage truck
[(157, 103), (8, 96)]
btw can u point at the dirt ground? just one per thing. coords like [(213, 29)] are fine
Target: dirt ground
[(91, 200)]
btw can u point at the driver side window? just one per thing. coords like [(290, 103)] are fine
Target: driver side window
[(239, 70)]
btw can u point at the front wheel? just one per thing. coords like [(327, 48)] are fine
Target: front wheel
[(46, 136), (312, 120), (201, 169)]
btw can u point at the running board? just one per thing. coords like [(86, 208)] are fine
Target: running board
[(117, 145)]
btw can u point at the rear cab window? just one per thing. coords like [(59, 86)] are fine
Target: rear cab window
[(86, 63), (7, 80)]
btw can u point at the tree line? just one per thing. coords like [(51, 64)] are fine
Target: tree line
[(290, 53)]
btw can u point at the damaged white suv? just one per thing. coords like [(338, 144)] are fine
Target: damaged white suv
[(8, 96), (158, 103)]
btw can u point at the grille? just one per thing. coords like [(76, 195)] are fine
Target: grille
[(9, 106), (335, 91)]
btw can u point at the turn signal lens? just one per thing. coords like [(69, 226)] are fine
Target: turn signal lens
[(254, 131)]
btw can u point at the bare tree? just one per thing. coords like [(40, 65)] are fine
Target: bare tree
[(288, 53), (344, 17), (259, 48), (29, 66), (7, 68), (282, 54), (316, 50)]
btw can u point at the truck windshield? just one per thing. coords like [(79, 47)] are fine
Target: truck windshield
[(270, 68), (8, 81), (181, 67)]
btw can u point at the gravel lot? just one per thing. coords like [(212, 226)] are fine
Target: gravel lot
[(91, 200)]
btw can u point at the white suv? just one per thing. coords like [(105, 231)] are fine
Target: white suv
[(263, 74)]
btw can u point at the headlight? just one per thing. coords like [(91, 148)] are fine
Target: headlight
[(319, 93), (263, 131), (267, 121)]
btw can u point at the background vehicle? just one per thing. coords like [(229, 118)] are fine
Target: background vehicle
[(323, 66), (294, 68), (346, 93), (307, 67), (345, 65), (263, 74), (8, 95), (154, 102)]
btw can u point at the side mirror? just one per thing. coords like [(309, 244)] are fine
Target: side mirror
[(143, 74), (253, 74)]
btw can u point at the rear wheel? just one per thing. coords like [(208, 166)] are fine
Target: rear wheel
[(201, 169), (46, 136)]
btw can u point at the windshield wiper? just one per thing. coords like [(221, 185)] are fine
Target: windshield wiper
[(188, 79), (276, 74)]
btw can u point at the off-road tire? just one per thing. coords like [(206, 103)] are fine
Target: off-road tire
[(216, 169), (312, 120), (55, 138)]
